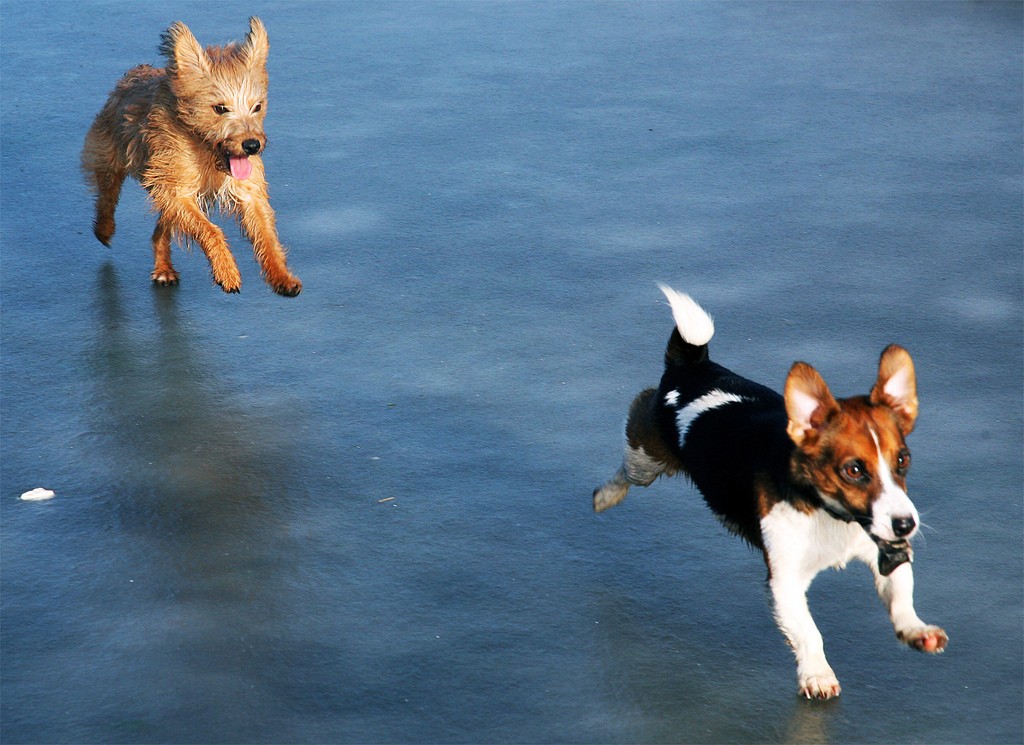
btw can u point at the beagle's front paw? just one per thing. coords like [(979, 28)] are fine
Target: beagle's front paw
[(929, 639)]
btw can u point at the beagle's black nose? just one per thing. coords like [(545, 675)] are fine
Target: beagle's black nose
[(903, 526)]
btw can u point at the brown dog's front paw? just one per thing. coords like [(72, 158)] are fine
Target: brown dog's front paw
[(929, 639), (229, 281), (291, 287)]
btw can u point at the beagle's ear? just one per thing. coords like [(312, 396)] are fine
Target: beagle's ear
[(896, 386), (809, 404)]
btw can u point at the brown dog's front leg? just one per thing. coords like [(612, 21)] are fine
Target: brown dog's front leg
[(257, 220), (184, 217)]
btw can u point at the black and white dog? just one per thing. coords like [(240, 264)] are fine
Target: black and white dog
[(810, 480)]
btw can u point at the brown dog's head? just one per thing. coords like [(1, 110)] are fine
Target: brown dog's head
[(221, 92), (852, 451)]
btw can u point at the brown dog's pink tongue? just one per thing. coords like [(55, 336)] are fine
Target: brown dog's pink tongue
[(241, 168)]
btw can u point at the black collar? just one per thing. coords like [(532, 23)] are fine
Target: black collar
[(890, 553)]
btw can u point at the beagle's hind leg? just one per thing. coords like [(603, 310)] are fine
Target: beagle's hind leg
[(644, 458), (611, 492)]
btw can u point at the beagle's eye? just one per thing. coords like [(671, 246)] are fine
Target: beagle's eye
[(903, 461), (221, 109), (854, 471)]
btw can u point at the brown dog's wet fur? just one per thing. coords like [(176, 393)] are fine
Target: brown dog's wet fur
[(191, 134)]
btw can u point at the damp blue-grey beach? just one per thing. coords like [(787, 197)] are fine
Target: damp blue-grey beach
[(363, 514)]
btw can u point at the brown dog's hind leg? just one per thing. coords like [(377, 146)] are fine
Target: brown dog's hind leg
[(106, 174), (163, 270), (106, 202)]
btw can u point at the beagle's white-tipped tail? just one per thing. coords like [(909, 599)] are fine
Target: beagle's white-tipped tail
[(693, 322)]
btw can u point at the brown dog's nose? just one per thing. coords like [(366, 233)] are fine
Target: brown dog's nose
[(903, 526), (251, 147)]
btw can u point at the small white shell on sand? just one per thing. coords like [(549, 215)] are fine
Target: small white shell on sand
[(38, 495)]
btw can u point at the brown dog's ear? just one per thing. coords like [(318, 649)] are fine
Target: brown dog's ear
[(896, 386), (809, 403), (257, 45), (184, 53)]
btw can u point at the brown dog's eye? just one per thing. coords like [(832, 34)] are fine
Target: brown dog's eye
[(221, 109), (258, 107), (854, 471), (903, 461)]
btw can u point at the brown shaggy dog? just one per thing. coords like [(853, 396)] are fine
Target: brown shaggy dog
[(191, 134)]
